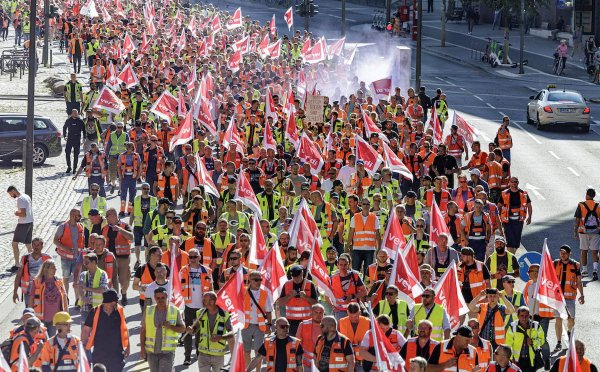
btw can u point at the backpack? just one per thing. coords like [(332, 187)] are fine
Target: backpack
[(7, 345), (590, 221)]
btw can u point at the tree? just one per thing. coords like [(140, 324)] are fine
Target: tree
[(506, 8)]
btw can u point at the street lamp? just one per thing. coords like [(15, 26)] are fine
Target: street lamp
[(522, 37), (419, 45), (30, 100)]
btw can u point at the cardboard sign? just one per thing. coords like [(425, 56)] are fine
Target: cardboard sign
[(314, 109)]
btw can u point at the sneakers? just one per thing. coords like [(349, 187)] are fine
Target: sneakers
[(584, 272), (13, 269), (558, 347), (68, 170), (187, 362), (123, 299), (595, 275)]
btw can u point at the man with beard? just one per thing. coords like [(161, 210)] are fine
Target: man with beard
[(501, 263), (333, 350), (208, 252)]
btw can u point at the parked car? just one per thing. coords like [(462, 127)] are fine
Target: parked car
[(558, 107), (13, 129)]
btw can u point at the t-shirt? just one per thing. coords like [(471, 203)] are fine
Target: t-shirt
[(254, 309), (323, 362), (149, 293), (24, 201), (74, 236), (107, 324), (145, 206), (443, 163), (34, 265), (196, 285), (281, 353)]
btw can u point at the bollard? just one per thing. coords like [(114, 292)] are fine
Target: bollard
[(50, 58), (24, 149)]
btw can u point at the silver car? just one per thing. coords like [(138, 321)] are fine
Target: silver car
[(553, 106)]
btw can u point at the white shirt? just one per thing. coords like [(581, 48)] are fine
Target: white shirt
[(366, 342), (196, 286), (345, 173), (24, 201), (327, 185), (153, 286), (254, 309)]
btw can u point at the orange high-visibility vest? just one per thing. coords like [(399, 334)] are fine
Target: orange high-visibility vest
[(498, 321), (123, 328), (365, 233)]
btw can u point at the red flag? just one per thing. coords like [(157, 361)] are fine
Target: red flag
[(548, 291), (23, 362), (316, 54), (275, 49), (236, 20), (176, 294), (309, 152), (232, 136), (410, 254), (150, 27), (108, 100), (273, 272), (258, 245), (289, 18), (4, 366), (464, 128), (184, 133), (165, 106), (84, 364), (337, 48), (243, 45), (231, 299), (145, 44), (192, 26), (263, 46), (245, 194), (202, 108), (234, 62), (371, 127), (571, 359), (238, 364), (403, 278), (106, 15), (111, 77), (438, 226), (119, 9), (181, 43), (215, 25), (388, 358), (318, 270), (370, 156), (268, 140), (393, 237), (270, 109), (181, 107), (449, 296), (395, 163), (128, 46), (306, 46), (302, 229), (272, 28), (128, 77), (381, 88), (436, 126), (291, 130), (205, 179)]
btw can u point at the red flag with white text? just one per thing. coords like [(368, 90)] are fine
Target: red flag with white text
[(184, 132), (291, 130), (128, 77), (23, 361), (234, 62), (272, 28), (370, 156), (449, 295), (273, 272), (318, 270), (268, 140), (438, 226), (436, 126), (309, 152), (128, 45), (84, 363), (108, 100), (236, 20), (289, 17), (175, 294), (464, 128), (215, 24), (258, 245), (245, 194), (571, 358), (231, 299), (387, 358), (205, 178), (403, 278), (371, 127), (410, 255), (165, 106), (548, 290), (395, 163), (237, 363), (381, 88), (337, 48), (393, 236)]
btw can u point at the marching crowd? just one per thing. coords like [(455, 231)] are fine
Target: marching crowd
[(205, 112)]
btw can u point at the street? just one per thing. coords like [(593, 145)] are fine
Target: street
[(554, 166)]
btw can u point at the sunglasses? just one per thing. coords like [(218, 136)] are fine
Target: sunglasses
[(143, 188), (426, 296), (233, 258), (421, 226), (194, 257), (95, 189), (284, 326), (390, 293)]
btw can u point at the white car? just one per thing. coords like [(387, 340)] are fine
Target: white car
[(553, 106)]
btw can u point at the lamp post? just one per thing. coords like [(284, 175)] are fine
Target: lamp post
[(419, 45), (30, 100), (522, 37), (343, 19), (46, 32)]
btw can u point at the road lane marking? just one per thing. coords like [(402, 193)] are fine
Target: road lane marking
[(479, 98), (492, 107), (553, 154), (529, 134), (573, 171), (501, 113), (338, 17), (535, 191)]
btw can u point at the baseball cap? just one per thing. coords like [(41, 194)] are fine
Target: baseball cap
[(32, 323), (334, 195), (305, 186), (28, 310), (565, 248), (508, 278), (120, 124), (360, 162), (93, 212), (500, 239), (411, 194), (467, 251), (475, 171), (110, 296), (296, 270), (376, 177), (164, 201), (464, 331)]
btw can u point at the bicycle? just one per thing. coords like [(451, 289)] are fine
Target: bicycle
[(559, 64)]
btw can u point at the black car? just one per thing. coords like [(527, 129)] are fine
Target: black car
[(13, 128)]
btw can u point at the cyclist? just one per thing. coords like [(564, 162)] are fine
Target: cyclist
[(561, 51), (590, 48)]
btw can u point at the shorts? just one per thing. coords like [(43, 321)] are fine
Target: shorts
[(23, 233), (68, 267), (253, 338), (589, 242), (138, 235), (570, 308)]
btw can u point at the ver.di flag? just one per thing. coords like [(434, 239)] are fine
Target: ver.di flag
[(184, 132), (108, 100), (289, 18), (371, 158), (165, 106), (273, 272), (231, 299), (548, 290), (318, 270), (449, 295), (438, 226), (393, 236), (245, 194), (258, 245), (464, 128), (175, 294)]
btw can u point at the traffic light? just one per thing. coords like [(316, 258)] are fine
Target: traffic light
[(301, 9), (313, 9), (53, 11)]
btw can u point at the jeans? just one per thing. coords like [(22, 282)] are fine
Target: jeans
[(128, 184), (75, 147), (76, 63), (189, 315), (506, 154), (18, 36), (360, 257)]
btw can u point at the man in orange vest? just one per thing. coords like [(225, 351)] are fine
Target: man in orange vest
[(308, 332), (515, 211), (32, 344), (364, 237), (297, 295), (587, 231), (483, 346), (491, 315), (456, 145), (69, 242), (30, 266), (585, 363), (272, 346), (333, 351), (129, 168), (568, 272), (455, 353), (107, 323), (420, 346), (473, 275), (258, 307), (354, 326)]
